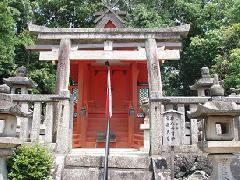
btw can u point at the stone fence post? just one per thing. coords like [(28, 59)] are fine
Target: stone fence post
[(64, 127)]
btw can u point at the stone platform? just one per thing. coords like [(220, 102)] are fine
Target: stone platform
[(220, 146), (87, 164)]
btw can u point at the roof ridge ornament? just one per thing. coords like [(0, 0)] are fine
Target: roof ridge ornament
[(110, 3), (110, 15)]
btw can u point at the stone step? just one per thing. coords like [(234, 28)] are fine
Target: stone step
[(114, 174), (113, 151), (115, 161)]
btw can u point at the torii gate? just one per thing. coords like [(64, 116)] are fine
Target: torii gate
[(154, 45)]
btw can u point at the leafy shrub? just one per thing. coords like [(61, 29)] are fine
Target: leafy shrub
[(30, 163)]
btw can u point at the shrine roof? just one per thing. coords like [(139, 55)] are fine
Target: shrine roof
[(96, 34)]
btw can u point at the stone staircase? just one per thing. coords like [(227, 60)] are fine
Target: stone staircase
[(124, 164)]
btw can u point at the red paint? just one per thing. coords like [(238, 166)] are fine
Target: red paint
[(91, 80), (110, 25), (92, 86)]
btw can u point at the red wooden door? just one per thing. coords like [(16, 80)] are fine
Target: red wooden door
[(121, 95)]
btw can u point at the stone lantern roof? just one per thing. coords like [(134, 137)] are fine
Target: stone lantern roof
[(6, 104), (211, 108), (206, 81), (217, 105), (20, 79)]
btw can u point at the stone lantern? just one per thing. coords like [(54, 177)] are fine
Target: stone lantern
[(204, 83), (218, 118), (202, 86), (8, 125), (20, 81), (21, 84)]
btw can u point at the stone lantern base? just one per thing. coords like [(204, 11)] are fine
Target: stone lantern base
[(221, 166), (3, 163), (222, 147)]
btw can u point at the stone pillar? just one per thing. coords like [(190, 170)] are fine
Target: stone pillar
[(63, 68), (221, 166), (146, 126), (63, 142), (155, 90), (193, 127), (26, 124), (62, 80), (236, 128), (234, 92), (3, 168), (146, 135)]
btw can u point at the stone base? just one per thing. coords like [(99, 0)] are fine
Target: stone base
[(186, 165), (146, 131), (221, 166), (221, 147), (121, 167), (97, 174), (160, 168), (9, 142)]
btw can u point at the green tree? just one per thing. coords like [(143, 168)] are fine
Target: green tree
[(42, 73), (200, 48), (227, 62), (7, 40)]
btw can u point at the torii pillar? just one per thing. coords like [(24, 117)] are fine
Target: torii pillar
[(155, 91), (63, 110), (63, 68)]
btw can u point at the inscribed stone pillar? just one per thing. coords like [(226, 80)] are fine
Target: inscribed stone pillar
[(63, 68), (62, 81), (193, 127), (172, 128), (155, 89)]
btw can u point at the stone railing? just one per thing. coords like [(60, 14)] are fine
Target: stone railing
[(50, 122), (190, 128)]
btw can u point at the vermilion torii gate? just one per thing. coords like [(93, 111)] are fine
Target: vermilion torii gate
[(118, 46)]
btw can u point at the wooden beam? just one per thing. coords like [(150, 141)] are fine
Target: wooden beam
[(139, 55)]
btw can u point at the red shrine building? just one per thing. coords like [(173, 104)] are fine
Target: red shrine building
[(124, 49), (129, 81)]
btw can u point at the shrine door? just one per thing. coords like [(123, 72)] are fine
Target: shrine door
[(96, 120)]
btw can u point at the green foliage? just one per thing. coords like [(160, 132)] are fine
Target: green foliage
[(227, 62), (67, 13), (45, 78), (201, 52), (30, 162), (213, 37), (143, 16), (204, 42), (43, 73), (7, 40)]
